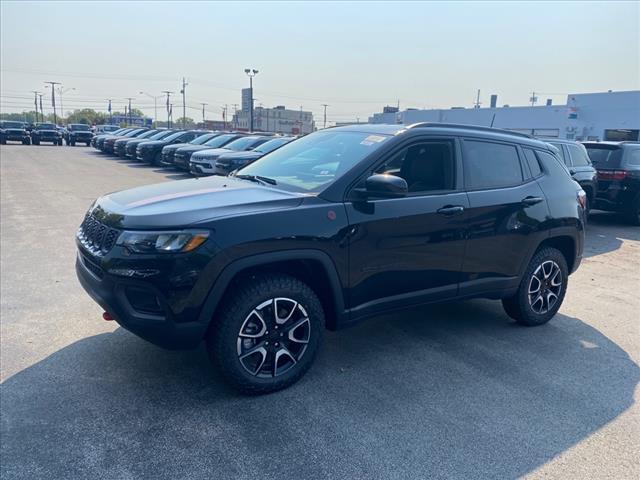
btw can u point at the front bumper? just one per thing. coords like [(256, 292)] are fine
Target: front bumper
[(145, 155), (15, 136), (167, 159), (111, 293), (80, 139), (202, 167), (181, 161)]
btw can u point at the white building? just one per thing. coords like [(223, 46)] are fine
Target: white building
[(585, 116), (277, 120)]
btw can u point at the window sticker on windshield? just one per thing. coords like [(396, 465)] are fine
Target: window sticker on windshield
[(371, 139)]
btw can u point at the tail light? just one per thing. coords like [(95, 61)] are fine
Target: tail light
[(612, 174), (582, 199)]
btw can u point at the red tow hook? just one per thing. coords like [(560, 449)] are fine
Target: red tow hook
[(106, 316)]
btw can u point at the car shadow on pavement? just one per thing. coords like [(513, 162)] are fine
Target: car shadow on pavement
[(605, 233), (455, 390)]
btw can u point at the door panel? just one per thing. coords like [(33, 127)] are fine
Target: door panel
[(403, 251)]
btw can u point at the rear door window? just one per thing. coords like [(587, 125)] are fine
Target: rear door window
[(491, 165), (579, 155), (561, 153), (633, 157)]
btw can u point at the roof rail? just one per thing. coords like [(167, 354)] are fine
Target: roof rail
[(468, 127)]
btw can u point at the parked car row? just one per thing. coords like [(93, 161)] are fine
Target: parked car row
[(200, 152), (27, 134)]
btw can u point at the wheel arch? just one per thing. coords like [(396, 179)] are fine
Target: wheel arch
[(313, 267), (565, 244)]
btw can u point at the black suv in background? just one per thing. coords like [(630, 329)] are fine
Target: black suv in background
[(14, 131), (182, 156), (100, 136), (228, 162), (78, 133), (151, 152), (575, 157), (334, 227), (46, 132), (203, 161), (618, 166), (169, 150)]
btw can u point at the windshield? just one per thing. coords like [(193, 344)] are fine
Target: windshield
[(79, 126), (173, 136), (110, 128), (12, 125), (203, 138), (271, 145), (604, 157), (160, 135), (134, 133), (148, 134), (219, 141), (242, 143), (311, 163), (46, 126)]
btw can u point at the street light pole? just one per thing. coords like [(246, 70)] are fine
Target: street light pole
[(109, 110), (61, 91), (184, 104), (251, 72), (155, 105), (324, 124), (129, 98), (204, 123), (35, 101)]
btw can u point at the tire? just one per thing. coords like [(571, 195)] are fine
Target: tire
[(60, 143), (547, 268), (72, 143), (250, 308), (156, 159), (36, 142), (3, 142), (87, 143)]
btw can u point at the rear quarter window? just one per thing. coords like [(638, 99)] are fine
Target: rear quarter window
[(632, 157)]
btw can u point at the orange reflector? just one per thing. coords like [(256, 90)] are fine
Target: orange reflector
[(197, 240)]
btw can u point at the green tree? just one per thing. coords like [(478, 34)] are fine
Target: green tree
[(189, 122)]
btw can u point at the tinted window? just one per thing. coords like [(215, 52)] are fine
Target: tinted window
[(425, 166), (579, 155), (532, 161), (220, 141), (243, 143), (560, 152), (604, 156), (633, 157), (79, 126), (203, 138), (46, 126), (491, 165), (553, 164), (272, 145), (12, 125)]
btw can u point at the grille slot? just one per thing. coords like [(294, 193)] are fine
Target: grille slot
[(97, 237)]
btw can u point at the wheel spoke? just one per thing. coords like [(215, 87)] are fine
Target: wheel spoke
[(276, 307), (291, 333), (535, 289), (556, 279), (282, 352), (252, 318), (258, 349)]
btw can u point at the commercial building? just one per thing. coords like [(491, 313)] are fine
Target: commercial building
[(278, 120), (584, 116)]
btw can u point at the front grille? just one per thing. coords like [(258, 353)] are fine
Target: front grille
[(96, 237), (92, 267)]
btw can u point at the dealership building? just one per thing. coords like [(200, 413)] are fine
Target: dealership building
[(584, 116), (277, 120)]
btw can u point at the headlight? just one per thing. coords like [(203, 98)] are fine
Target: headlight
[(162, 242)]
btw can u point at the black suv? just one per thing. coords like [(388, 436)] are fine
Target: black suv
[(336, 226), (575, 157), (151, 151), (78, 133), (14, 131), (618, 166), (46, 132)]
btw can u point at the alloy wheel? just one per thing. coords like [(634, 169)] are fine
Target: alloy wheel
[(273, 337), (545, 287)]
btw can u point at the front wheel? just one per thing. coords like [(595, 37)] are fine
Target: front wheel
[(541, 291), (267, 333)]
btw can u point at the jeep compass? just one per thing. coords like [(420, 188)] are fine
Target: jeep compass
[(339, 225)]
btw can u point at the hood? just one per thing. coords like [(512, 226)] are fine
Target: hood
[(213, 152), (175, 146), (136, 141), (154, 143), (182, 203), (235, 156), (192, 148), (46, 130)]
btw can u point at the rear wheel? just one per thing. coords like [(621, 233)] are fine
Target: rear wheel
[(89, 143), (267, 333), (36, 141), (541, 291)]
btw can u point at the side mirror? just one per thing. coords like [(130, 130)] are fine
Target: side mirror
[(385, 186)]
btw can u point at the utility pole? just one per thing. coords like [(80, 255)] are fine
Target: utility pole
[(41, 110), (109, 110), (35, 101), (184, 105), (61, 91), (324, 125), (224, 116), (168, 112), (533, 99), (170, 115), (155, 105), (235, 115), (129, 98), (204, 123), (251, 72), (53, 99), (478, 103)]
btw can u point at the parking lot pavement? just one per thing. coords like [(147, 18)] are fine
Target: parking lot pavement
[(449, 391)]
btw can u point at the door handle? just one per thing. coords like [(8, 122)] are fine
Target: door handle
[(450, 210), (532, 200)]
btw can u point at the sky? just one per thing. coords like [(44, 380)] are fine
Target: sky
[(354, 56)]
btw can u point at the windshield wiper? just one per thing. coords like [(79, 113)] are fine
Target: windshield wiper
[(257, 178)]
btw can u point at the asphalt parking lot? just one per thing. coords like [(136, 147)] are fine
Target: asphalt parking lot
[(449, 391)]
